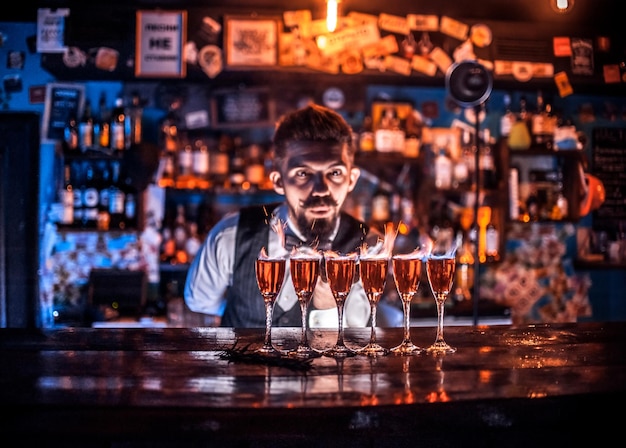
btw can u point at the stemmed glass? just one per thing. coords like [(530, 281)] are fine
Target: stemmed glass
[(305, 269), (440, 271), (373, 271), (407, 269), (340, 271), (270, 273)]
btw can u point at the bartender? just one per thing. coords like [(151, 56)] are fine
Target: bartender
[(314, 170)]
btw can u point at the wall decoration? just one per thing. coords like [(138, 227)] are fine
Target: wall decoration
[(251, 41), (62, 102), (159, 43)]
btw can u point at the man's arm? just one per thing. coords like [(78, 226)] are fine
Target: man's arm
[(211, 271)]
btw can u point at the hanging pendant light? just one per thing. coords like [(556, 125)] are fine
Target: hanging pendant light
[(331, 15)]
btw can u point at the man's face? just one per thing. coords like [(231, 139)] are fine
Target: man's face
[(315, 180)]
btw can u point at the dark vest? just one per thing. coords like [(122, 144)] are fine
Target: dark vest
[(244, 304)]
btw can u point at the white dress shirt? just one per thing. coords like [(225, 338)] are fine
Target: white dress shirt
[(211, 273)]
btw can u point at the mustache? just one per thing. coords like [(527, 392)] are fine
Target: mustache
[(316, 201)]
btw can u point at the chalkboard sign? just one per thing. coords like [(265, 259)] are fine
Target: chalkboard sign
[(238, 108), (62, 102), (609, 165)]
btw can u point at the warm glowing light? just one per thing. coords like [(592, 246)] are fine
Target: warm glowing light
[(562, 6), (331, 15)]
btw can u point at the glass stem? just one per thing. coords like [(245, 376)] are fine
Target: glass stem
[(406, 306), (269, 307), (373, 332), (340, 324), (441, 300), (303, 308)]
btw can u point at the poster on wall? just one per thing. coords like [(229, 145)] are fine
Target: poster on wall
[(51, 30), (159, 41), (62, 102)]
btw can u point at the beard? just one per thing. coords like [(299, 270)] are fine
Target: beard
[(317, 230)]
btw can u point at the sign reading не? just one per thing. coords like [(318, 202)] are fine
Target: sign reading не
[(159, 43)]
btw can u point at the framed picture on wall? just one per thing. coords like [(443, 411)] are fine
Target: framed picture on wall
[(251, 41)]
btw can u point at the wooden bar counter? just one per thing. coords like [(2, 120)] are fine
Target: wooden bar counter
[(539, 385)]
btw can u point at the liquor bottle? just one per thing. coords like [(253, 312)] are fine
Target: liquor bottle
[(366, 136), (236, 175), (464, 281), (86, 128), (543, 125), (66, 197), (220, 160), (118, 126), (200, 163), (193, 243), (255, 166), (135, 120), (116, 197), (443, 168), (180, 235), (90, 197), (185, 165), (104, 217), (77, 176), (168, 246), (492, 241), (71, 134), (103, 125), (487, 163), (508, 118), (381, 209), (130, 200)]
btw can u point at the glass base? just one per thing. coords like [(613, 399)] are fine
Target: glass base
[(406, 348), (339, 351), (440, 348), (373, 349), (268, 351), (304, 352)]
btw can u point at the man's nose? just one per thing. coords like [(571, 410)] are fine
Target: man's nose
[(320, 186)]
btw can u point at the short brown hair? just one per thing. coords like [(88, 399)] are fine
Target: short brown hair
[(312, 123)]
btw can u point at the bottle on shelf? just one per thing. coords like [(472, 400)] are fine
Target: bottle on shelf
[(91, 197), (255, 166), (366, 136), (104, 218), (118, 126), (464, 281), (103, 124), (487, 163), (200, 163), (237, 170), (116, 198), (66, 197), (180, 235), (443, 166), (169, 143), (492, 240), (193, 243), (135, 120), (508, 118), (543, 125), (381, 209), (86, 128), (77, 176), (71, 137), (219, 164), (185, 166)]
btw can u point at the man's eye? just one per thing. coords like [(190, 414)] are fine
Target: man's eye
[(302, 174)]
